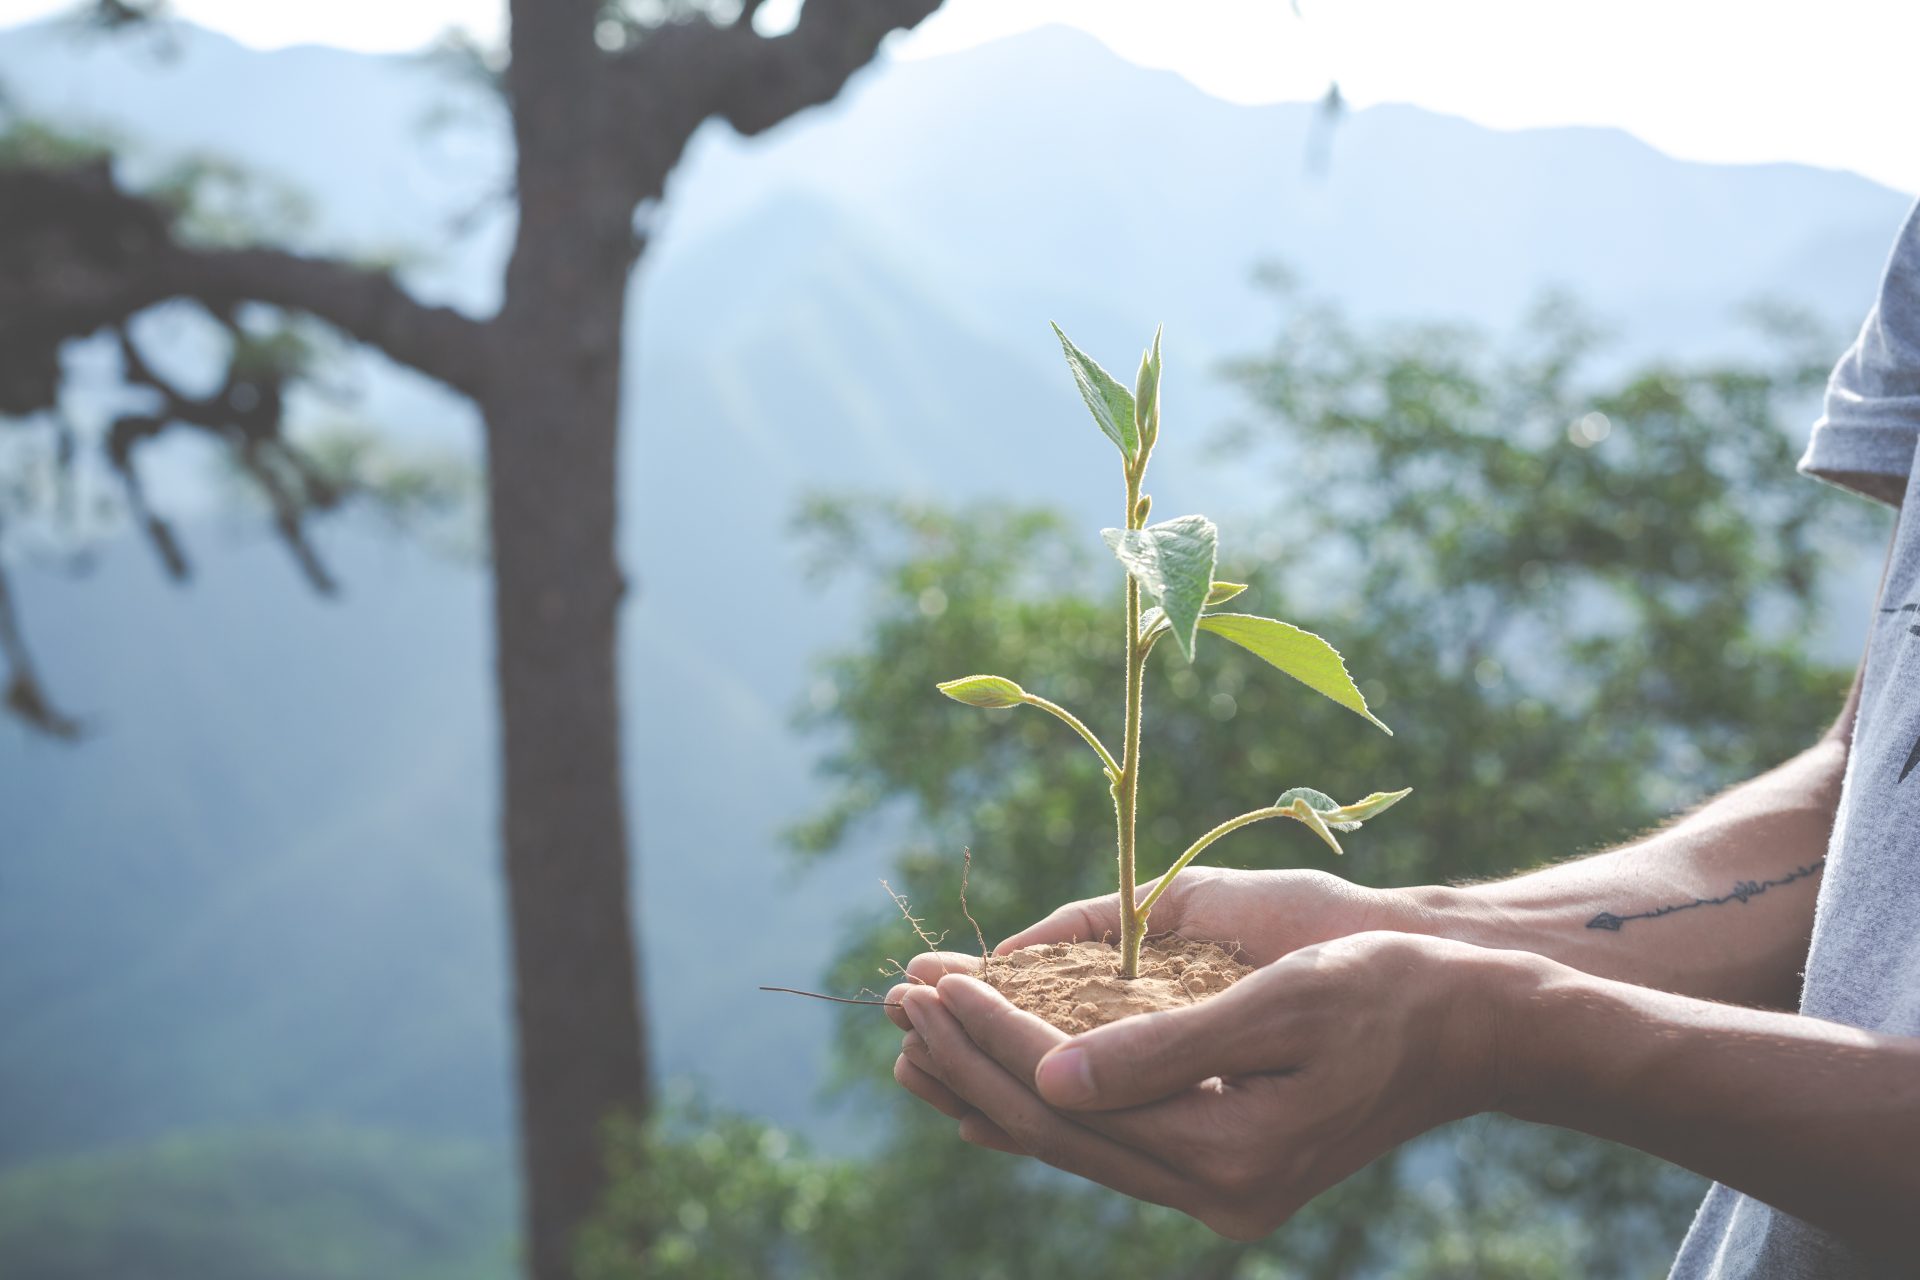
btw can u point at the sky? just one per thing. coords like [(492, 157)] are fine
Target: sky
[(1717, 80)]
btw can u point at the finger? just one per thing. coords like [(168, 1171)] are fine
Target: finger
[(1011, 1036), (914, 1049), (895, 1014), (1150, 1056), (1019, 1113), (1089, 920), (929, 967), (930, 1091), (982, 1132), (1019, 1041)]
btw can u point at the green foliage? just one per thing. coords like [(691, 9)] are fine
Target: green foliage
[(1173, 562), (436, 495), (1345, 817), (1337, 816), (1301, 654), (216, 202), (1221, 592), (699, 1193), (29, 143), (990, 692), (708, 1196), (308, 1205), (1110, 403), (1146, 394), (1597, 628)]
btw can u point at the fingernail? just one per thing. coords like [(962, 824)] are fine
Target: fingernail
[(907, 1002), (1066, 1077)]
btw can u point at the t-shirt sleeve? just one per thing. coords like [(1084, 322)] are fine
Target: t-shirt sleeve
[(1865, 438)]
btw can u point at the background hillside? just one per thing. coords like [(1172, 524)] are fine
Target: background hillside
[(856, 302)]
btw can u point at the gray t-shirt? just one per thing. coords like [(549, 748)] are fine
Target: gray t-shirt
[(1864, 965)]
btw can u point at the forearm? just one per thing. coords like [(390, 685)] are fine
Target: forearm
[(1718, 906), (1817, 1119)]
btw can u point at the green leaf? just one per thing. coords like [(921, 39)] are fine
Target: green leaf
[(1155, 619), (1110, 403), (1304, 811), (1146, 395), (1320, 802), (995, 693), (1173, 560), (1301, 654), (1342, 817), (1372, 807), (1221, 592)]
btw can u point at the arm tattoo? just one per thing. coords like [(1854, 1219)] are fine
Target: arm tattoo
[(1741, 892)]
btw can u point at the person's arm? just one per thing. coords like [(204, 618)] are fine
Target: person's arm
[(1242, 1107), (1718, 905), (1816, 1119)]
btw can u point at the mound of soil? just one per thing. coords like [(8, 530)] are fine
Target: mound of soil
[(1077, 985)]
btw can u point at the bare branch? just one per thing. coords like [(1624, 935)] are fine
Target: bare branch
[(77, 254), (364, 304), (289, 511), (245, 414), (24, 695)]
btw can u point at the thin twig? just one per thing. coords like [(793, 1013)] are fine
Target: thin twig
[(966, 865), (918, 925), (815, 995)]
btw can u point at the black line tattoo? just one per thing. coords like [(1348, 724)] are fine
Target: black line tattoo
[(1742, 891)]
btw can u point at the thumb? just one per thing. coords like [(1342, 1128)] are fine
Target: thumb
[(1090, 920), (1151, 1056)]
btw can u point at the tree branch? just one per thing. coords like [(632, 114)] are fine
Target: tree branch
[(23, 694), (245, 415), (685, 73), (365, 304), (78, 254), (772, 79)]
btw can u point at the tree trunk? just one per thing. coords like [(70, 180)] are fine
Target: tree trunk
[(552, 430)]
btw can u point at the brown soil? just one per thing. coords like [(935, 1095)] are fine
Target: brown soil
[(1077, 985)]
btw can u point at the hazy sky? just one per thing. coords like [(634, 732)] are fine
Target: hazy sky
[(1731, 80)]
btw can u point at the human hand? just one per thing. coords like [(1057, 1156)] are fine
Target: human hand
[(1239, 1109), (1265, 914)]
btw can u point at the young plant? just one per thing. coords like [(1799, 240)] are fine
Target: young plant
[(1173, 562)]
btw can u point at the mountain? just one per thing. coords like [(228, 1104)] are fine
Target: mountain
[(265, 890)]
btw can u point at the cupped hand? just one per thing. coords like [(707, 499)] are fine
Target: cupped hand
[(1239, 1109), (1266, 914)]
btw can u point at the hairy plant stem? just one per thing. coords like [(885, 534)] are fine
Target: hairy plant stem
[(1133, 920), (1193, 850), (1100, 748)]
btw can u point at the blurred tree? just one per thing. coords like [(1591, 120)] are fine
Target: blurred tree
[(1582, 599), (604, 97)]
